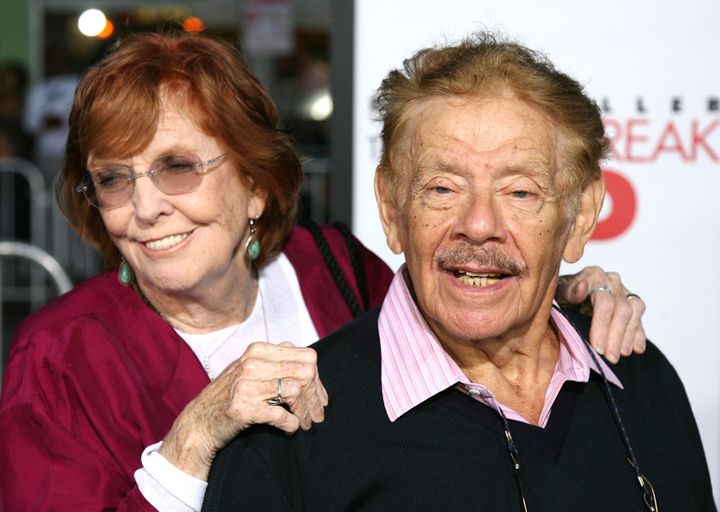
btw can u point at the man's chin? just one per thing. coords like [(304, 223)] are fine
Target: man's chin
[(469, 327)]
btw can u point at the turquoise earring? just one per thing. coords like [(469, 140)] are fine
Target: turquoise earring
[(252, 246), (125, 273)]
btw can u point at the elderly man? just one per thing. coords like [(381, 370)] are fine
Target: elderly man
[(470, 389)]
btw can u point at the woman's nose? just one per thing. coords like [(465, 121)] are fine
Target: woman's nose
[(148, 200)]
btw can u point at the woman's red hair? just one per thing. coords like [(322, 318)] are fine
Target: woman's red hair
[(116, 111)]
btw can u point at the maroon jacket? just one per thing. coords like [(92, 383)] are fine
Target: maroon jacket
[(96, 376)]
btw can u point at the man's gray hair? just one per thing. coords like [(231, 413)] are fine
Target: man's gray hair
[(485, 64)]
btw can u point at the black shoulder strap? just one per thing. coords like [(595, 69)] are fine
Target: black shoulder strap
[(355, 261), (340, 281)]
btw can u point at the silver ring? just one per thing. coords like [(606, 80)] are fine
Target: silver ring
[(633, 296), (278, 400), (600, 289)]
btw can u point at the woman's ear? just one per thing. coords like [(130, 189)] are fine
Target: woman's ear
[(588, 210), (257, 200)]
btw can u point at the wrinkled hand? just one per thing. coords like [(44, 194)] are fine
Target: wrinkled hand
[(616, 327), (237, 399)]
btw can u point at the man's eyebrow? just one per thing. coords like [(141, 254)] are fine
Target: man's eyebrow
[(430, 167), (535, 168), (439, 166)]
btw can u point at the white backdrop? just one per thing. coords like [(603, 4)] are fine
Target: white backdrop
[(653, 66)]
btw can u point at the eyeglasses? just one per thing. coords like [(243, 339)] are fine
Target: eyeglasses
[(113, 186), (648, 492)]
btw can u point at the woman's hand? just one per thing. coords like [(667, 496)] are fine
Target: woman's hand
[(616, 327), (238, 399)]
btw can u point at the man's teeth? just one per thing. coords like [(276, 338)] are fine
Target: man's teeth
[(478, 280), (167, 242)]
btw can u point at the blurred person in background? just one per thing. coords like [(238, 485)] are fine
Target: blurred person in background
[(14, 140), (46, 117), (46, 113), (119, 394)]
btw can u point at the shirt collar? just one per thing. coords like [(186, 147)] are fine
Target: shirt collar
[(415, 367)]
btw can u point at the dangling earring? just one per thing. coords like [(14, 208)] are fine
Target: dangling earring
[(125, 273), (252, 245)]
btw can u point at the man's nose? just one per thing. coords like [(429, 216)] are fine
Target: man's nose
[(482, 219)]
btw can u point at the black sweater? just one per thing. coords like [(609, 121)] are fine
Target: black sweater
[(450, 454)]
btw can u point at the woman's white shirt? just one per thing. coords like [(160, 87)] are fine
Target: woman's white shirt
[(279, 314)]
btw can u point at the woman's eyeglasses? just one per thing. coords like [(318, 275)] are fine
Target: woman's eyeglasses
[(112, 187)]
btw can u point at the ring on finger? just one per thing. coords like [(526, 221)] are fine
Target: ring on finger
[(600, 288), (278, 400), (633, 296)]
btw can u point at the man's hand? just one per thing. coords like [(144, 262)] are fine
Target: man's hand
[(616, 327)]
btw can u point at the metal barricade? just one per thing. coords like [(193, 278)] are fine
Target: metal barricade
[(40, 258), (10, 169), (45, 223), (23, 218)]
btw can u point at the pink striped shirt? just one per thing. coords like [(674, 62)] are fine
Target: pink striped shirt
[(415, 367)]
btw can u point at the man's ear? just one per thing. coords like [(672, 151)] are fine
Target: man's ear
[(389, 212), (589, 206)]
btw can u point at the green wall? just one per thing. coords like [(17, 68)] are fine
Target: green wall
[(15, 31)]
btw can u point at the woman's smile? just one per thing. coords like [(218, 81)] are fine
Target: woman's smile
[(167, 242)]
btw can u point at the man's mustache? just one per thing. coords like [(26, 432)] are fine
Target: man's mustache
[(470, 255)]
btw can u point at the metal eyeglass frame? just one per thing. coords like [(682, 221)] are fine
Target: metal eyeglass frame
[(152, 172)]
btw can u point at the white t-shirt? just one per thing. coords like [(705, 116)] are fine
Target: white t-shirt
[(279, 314)]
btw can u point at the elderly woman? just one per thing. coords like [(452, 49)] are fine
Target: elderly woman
[(119, 394)]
